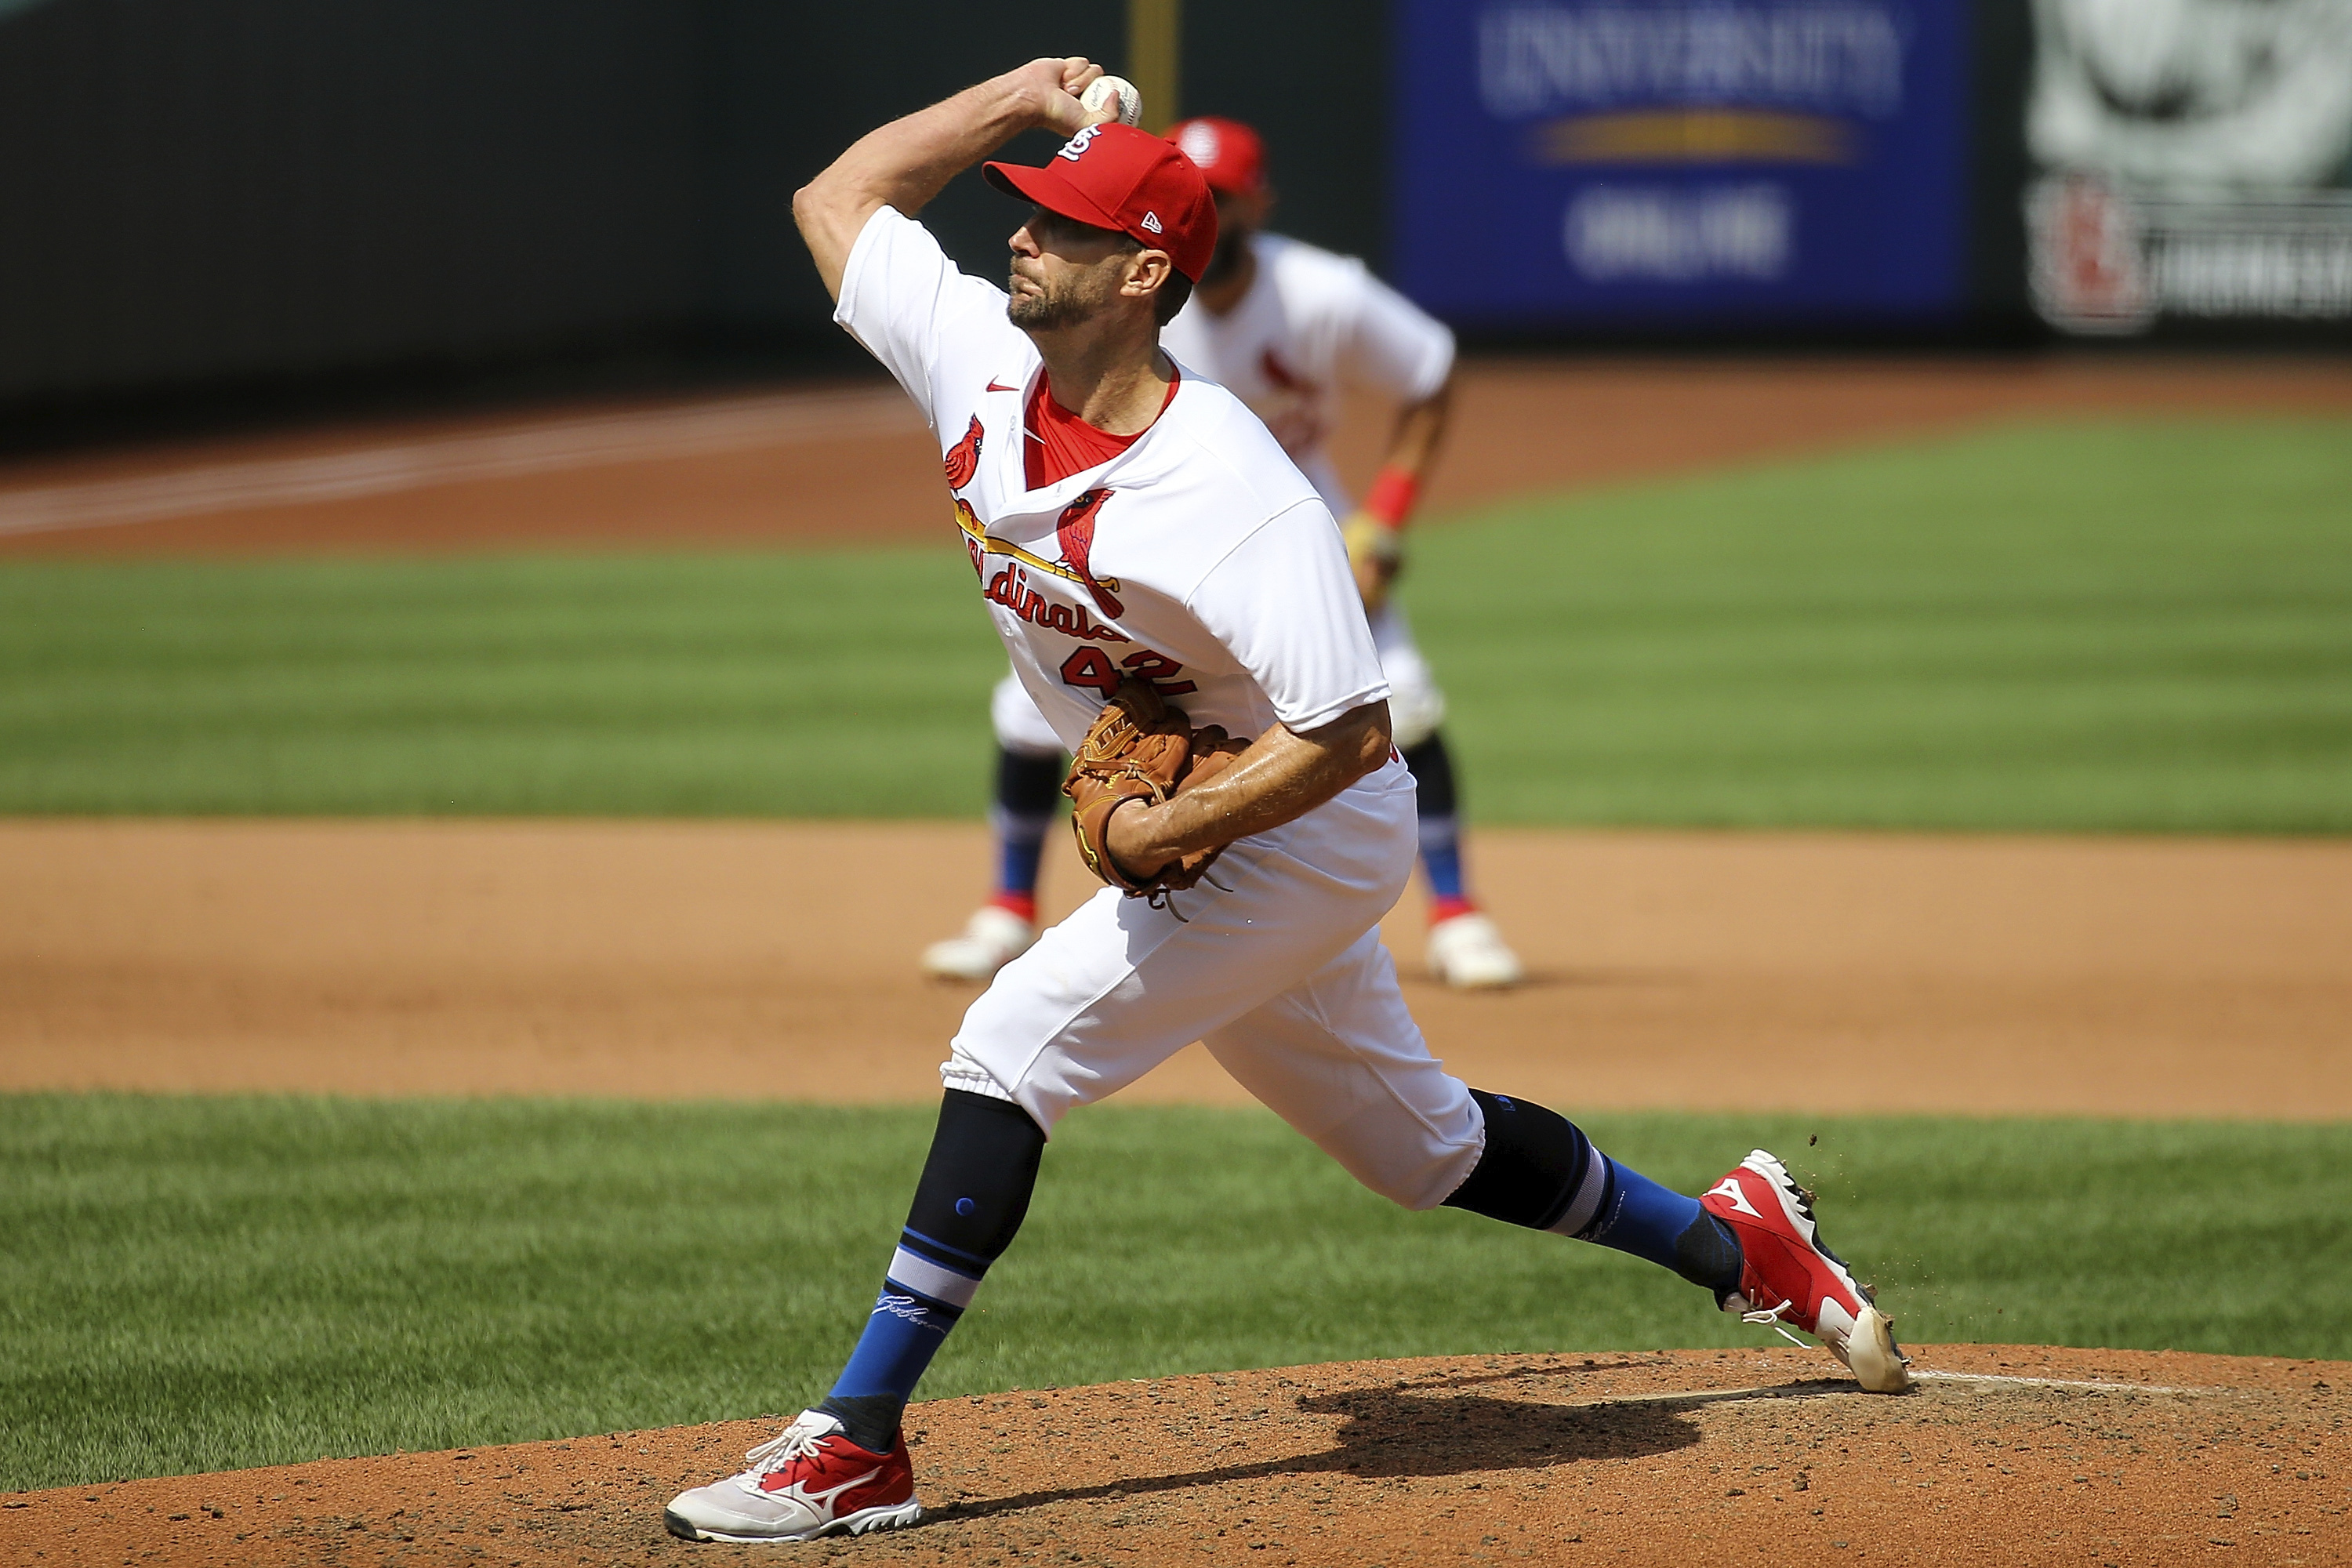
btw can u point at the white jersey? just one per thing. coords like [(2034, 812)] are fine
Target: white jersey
[(1312, 324), (1199, 558)]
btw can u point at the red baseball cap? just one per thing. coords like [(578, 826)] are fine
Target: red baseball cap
[(1115, 176), (1230, 155)]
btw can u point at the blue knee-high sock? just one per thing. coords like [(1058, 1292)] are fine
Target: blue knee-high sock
[(1438, 802), (1020, 846), (970, 1201), (1540, 1170), (1639, 1217), (1440, 859), (1027, 787)]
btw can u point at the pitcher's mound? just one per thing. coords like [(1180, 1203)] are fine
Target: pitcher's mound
[(2002, 1453)]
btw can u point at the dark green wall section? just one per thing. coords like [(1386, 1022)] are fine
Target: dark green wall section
[(1313, 76), (200, 190), (204, 195)]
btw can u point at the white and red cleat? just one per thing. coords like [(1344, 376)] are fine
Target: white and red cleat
[(810, 1481), (992, 937), (1787, 1275), (1468, 953)]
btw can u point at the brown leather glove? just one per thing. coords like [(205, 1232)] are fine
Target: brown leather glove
[(1141, 749)]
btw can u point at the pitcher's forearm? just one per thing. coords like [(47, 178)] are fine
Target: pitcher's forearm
[(909, 160), (1282, 777), (907, 163), (1263, 788)]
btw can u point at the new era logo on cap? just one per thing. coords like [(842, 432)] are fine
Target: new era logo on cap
[(1152, 221)]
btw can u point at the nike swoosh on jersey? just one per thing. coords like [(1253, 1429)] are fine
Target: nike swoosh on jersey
[(993, 386)]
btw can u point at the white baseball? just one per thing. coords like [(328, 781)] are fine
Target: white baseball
[(1097, 100)]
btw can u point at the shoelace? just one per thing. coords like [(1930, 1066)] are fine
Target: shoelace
[(794, 1442), (1772, 1319)]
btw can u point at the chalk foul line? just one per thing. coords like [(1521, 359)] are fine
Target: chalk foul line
[(598, 441)]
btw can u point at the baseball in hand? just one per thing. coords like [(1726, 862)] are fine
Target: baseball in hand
[(1112, 98)]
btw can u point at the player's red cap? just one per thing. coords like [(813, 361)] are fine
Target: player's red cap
[(1230, 155), (1116, 176)]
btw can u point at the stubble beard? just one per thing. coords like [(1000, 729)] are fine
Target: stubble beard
[(1051, 307), (1039, 313)]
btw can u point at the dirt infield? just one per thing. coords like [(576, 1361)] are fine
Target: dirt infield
[(852, 464), (2005, 1454), (1699, 970)]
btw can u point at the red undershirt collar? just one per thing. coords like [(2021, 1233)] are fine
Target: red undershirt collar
[(1061, 444)]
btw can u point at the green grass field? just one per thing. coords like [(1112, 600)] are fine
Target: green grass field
[(194, 1284), (2142, 625)]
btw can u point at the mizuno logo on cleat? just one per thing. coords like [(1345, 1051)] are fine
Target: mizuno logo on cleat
[(806, 1493), (1729, 1188)]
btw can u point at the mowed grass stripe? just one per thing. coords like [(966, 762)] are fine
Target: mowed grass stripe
[(2140, 626), (672, 684), (195, 1284)]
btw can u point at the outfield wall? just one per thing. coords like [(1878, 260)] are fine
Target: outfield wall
[(270, 193)]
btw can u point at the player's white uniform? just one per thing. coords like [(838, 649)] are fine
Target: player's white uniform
[(1201, 558), (1312, 324)]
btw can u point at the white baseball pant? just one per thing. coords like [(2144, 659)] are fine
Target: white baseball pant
[(1280, 972)]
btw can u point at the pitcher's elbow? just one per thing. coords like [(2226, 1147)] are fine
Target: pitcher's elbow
[(806, 202), (1374, 745)]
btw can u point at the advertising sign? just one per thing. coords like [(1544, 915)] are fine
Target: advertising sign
[(1657, 163), (2196, 161)]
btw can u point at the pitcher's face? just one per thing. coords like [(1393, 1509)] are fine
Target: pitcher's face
[(1064, 272)]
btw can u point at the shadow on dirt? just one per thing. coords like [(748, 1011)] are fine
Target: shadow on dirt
[(1582, 979), (1405, 1432)]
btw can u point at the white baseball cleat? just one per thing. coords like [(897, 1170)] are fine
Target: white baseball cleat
[(991, 939), (1467, 953), (810, 1481)]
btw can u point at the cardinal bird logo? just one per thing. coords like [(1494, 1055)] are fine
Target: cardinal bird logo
[(1075, 531), (963, 457)]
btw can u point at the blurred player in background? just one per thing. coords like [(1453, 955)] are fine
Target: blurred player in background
[(1286, 328)]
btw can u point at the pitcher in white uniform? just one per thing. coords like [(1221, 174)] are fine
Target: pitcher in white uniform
[(1125, 520), (1286, 328)]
